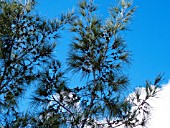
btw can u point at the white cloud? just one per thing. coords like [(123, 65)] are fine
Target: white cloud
[(160, 109)]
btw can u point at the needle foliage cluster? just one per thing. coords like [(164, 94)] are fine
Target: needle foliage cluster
[(98, 53)]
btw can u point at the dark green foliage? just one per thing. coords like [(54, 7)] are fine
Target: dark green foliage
[(98, 52), (27, 42)]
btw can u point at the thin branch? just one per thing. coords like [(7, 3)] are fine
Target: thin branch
[(65, 108), (92, 100)]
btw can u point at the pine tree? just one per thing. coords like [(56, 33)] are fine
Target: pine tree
[(26, 44), (98, 52)]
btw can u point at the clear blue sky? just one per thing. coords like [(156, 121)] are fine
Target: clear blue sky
[(148, 38)]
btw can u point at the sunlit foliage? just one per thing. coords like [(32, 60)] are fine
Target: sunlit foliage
[(98, 52)]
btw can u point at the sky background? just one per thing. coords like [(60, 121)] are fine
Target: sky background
[(148, 40), (148, 37)]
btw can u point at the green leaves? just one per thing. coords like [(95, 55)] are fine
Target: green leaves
[(98, 52), (27, 42)]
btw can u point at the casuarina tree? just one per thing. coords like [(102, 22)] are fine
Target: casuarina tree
[(26, 44), (98, 53)]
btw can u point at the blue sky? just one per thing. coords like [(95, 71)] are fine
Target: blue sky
[(147, 38)]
